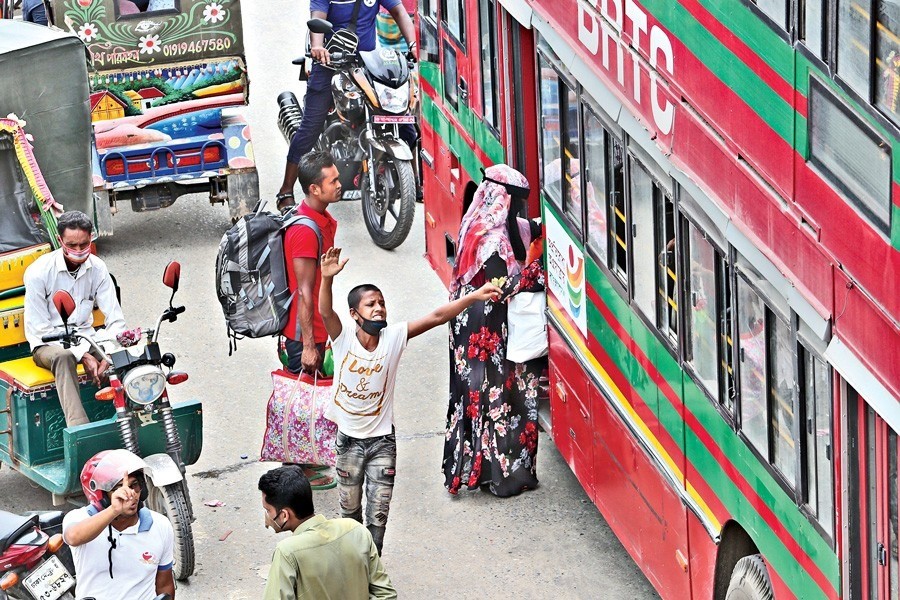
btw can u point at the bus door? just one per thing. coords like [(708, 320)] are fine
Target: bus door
[(454, 37), (872, 503)]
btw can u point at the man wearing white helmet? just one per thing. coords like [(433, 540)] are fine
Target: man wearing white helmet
[(122, 550)]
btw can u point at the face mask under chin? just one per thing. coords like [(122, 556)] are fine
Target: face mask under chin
[(76, 257), (371, 327)]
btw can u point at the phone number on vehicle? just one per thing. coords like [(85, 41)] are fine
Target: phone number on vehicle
[(197, 46)]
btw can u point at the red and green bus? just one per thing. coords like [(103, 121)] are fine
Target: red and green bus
[(722, 213)]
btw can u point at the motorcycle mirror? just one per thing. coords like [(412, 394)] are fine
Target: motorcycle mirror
[(319, 26), (64, 305), (172, 275)]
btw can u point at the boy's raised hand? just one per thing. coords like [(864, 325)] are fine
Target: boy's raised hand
[(488, 291), (332, 263)]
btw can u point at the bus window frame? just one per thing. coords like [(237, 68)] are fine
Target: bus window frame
[(429, 23), (446, 25), (857, 205), (684, 221), (808, 347), (494, 38), (610, 132)]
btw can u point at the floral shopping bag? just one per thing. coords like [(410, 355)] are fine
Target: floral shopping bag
[(296, 428)]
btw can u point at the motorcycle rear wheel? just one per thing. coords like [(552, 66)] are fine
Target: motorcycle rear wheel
[(170, 500), (394, 198)]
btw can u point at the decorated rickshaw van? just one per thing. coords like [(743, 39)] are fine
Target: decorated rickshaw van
[(167, 81)]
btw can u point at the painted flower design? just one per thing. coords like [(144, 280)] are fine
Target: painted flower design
[(87, 32), (213, 13), (149, 44)]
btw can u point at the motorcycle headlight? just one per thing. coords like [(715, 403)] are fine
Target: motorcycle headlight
[(394, 100), (144, 384)]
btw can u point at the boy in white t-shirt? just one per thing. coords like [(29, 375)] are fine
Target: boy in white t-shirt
[(365, 369)]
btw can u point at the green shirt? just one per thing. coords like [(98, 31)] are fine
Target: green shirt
[(328, 559)]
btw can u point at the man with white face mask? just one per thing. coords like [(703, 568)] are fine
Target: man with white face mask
[(72, 268)]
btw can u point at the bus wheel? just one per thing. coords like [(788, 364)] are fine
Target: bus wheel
[(750, 580)]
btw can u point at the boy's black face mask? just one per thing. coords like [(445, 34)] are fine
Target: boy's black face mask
[(373, 328)]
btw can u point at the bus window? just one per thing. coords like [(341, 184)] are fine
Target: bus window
[(643, 199), (428, 41), (703, 354), (550, 133), (783, 402), (454, 16), (777, 10), (572, 185), (451, 76), (595, 184), (853, 43), (490, 97), (618, 224), (752, 347), (667, 280), (726, 339), (812, 28), (852, 156), (817, 402), (887, 59)]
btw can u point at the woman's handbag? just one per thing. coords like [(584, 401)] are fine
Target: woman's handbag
[(296, 428), (526, 320)]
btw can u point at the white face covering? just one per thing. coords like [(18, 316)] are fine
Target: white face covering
[(76, 256)]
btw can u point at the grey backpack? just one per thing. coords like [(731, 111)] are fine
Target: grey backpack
[(252, 276)]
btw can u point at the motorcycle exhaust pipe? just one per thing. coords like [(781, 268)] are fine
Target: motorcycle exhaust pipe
[(289, 115)]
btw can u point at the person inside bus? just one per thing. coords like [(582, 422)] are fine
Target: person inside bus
[(491, 438), (318, 100)]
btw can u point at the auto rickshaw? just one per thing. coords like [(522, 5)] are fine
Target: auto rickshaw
[(167, 83), (34, 438)]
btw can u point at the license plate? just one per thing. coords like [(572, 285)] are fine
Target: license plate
[(392, 119), (49, 580)]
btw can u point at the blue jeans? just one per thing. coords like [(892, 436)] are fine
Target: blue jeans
[(373, 462), (316, 105)]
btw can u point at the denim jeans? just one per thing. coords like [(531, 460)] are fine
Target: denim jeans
[(372, 462)]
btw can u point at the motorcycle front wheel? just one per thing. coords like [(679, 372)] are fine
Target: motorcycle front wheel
[(170, 500), (388, 209)]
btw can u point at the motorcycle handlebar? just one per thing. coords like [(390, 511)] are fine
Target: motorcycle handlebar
[(53, 337)]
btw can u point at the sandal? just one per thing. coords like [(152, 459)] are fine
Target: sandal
[(331, 482), (280, 200)]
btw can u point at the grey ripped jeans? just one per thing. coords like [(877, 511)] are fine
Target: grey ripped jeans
[(370, 461)]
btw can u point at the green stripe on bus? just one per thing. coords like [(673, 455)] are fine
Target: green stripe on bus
[(736, 451), (484, 138)]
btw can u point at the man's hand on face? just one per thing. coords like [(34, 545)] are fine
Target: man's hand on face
[(321, 55), (123, 498), (94, 368), (309, 360)]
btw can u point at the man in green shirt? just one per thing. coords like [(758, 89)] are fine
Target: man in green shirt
[(324, 558)]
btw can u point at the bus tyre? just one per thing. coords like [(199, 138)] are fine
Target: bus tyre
[(750, 580), (170, 501), (388, 210)]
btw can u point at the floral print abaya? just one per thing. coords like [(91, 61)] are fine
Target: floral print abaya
[(491, 437)]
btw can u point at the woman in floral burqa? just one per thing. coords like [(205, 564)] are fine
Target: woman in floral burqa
[(491, 438)]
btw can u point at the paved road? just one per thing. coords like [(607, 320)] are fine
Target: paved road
[(551, 542)]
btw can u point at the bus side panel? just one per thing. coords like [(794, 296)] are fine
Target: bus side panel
[(643, 510), (702, 558)]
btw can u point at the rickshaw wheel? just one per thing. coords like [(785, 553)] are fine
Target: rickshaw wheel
[(170, 500)]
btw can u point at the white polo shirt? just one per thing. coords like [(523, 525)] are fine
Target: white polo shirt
[(363, 390), (141, 551)]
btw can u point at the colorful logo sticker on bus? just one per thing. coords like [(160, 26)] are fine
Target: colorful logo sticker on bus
[(565, 272)]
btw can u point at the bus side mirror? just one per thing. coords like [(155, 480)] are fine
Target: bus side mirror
[(64, 305)]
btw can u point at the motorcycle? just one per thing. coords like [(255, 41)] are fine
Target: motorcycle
[(374, 93), (32, 564), (137, 389)]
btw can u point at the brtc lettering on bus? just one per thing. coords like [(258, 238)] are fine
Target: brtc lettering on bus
[(602, 25)]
